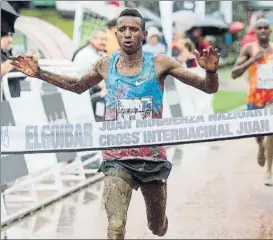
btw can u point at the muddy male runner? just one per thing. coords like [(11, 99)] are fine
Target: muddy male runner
[(257, 58), (134, 83)]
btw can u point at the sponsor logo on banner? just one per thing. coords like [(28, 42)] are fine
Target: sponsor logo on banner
[(58, 136)]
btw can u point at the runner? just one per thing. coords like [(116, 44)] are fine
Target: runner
[(134, 83), (257, 58)]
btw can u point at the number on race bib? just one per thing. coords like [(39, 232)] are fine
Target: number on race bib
[(132, 109)]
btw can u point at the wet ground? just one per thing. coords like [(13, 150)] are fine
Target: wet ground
[(216, 190)]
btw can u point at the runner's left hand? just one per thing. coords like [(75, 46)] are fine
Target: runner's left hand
[(209, 59)]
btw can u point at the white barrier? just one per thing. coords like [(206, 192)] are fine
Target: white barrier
[(41, 168), (193, 101), (23, 117), (74, 113), (38, 169), (55, 213)]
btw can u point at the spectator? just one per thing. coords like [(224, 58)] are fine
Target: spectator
[(7, 30), (186, 56), (6, 43), (88, 54), (154, 44), (193, 101), (211, 40), (251, 34), (179, 34), (112, 43), (195, 35), (8, 18)]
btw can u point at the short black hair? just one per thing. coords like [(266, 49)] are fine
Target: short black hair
[(112, 23), (131, 12)]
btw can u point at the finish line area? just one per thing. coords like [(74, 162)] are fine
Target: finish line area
[(216, 192), (189, 132), (52, 139), (126, 134)]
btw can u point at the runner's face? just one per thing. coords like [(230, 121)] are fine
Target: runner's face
[(129, 34), (263, 31)]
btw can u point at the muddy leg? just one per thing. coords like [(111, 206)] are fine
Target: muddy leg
[(117, 196), (261, 151), (155, 196), (269, 159)]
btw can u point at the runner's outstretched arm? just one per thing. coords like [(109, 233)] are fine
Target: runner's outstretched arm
[(209, 61), (30, 67)]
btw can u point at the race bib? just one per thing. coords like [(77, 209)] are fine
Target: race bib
[(265, 76), (132, 109)]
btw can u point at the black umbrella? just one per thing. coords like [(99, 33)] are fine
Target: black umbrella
[(211, 26), (8, 17)]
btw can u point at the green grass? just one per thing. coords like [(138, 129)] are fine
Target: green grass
[(225, 101)]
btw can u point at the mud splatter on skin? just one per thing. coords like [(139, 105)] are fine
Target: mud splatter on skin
[(117, 196), (96, 75), (164, 66)]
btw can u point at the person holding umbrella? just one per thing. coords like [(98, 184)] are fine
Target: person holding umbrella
[(8, 18)]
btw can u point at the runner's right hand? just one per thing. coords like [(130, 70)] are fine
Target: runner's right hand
[(26, 65)]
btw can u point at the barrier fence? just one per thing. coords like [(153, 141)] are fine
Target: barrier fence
[(37, 178), (31, 180)]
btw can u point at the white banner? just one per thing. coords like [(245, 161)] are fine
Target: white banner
[(124, 134)]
